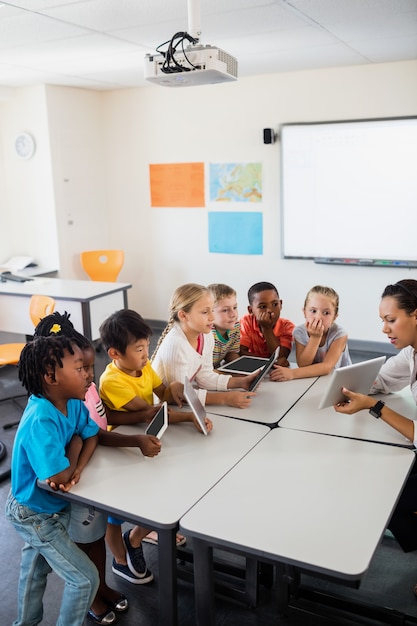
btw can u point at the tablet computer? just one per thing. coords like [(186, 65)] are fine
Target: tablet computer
[(243, 365), (264, 371), (159, 424), (195, 405), (358, 377)]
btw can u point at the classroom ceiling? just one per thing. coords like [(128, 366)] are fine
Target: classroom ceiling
[(101, 44)]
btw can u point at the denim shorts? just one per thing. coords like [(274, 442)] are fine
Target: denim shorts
[(86, 524)]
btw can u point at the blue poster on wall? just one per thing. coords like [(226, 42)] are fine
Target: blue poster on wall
[(235, 233)]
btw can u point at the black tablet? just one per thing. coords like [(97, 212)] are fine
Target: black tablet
[(266, 368), (243, 365), (159, 424)]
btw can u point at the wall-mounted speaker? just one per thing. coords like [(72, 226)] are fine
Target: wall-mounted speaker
[(269, 135)]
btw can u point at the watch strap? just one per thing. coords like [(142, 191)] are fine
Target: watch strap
[(375, 411)]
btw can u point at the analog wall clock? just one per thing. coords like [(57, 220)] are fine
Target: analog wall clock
[(24, 146)]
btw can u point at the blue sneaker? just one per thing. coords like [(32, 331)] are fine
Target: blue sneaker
[(136, 560), (124, 572)]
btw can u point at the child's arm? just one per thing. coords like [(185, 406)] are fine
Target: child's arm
[(267, 323), (305, 353), (131, 416), (238, 399), (174, 417), (316, 369), (78, 452), (173, 394), (148, 444)]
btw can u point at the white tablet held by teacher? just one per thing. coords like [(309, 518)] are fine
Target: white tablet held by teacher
[(358, 377)]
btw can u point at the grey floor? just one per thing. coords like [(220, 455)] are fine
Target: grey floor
[(388, 583)]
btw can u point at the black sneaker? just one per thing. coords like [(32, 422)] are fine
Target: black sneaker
[(124, 572), (136, 560)]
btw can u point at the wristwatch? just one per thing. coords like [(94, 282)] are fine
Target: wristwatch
[(376, 410)]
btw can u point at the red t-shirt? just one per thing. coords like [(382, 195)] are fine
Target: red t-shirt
[(252, 338)]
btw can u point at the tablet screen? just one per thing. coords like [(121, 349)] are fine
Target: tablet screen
[(159, 424), (195, 405), (243, 365)]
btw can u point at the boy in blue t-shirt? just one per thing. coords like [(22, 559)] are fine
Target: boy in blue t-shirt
[(54, 442)]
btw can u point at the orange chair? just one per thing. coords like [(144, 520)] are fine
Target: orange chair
[(104, 265), (39, 307)]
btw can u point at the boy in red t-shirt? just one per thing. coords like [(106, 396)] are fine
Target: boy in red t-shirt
[(262, 329)]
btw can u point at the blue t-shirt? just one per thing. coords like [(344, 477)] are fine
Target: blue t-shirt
[(39, 449)]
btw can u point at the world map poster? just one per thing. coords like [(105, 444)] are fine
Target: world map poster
[(235, 182)]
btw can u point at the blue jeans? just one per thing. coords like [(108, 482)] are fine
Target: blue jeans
[(48, 547)]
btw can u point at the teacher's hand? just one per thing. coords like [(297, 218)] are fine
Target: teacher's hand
[(354, 402)]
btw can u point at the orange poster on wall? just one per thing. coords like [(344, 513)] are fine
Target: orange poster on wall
[(177, 184)]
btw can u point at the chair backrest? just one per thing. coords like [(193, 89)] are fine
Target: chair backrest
[(39, 307), (102, 265)]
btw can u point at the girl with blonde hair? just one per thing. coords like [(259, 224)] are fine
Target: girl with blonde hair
[(320, 343), (185, 348)]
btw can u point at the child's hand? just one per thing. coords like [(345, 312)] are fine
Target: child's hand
[(279, 373), (177, 393), (282, 361), (267, 319), (149, 445), (62, 486), (239, 399), (208, 422), (246, 381), (315, 328)]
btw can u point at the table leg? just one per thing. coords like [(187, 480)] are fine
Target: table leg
[(252, 581), (167, 556), (203, 583), (86, 316)]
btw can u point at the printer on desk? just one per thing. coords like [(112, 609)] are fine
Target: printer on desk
[(22, 268), (16, 264)]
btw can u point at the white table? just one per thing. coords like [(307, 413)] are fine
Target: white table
[(299, 498), (305, 415), (89, 302), (272, 401), (156, 492)]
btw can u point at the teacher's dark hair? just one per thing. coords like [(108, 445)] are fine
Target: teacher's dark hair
[(405, 292)]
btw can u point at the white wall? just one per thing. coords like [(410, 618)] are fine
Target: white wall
[(27, 207), (223, 123), (77, 156), (96, 177)]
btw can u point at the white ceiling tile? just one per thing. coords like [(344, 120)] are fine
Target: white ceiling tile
[(102, 43), (28, 27)]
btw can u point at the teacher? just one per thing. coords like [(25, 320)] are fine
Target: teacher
[(398, 312)]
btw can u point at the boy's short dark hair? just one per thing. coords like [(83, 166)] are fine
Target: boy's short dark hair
[(123, 328), (258, 287)]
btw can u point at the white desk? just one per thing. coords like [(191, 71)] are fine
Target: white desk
[(306, 416), (156, 492), (272, 401), (317, 502), (89, 302)]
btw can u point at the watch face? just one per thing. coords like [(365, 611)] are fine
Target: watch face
[(24, 145)]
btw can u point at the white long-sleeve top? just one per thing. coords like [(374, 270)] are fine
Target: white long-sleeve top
[(398, 372), (176, 358)]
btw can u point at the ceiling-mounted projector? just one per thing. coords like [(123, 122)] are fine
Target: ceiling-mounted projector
[(194, 65), (185, 62)]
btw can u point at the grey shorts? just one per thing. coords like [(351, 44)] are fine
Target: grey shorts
[(86, 524)]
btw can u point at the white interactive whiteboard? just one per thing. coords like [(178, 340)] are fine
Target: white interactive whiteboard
[(349, 191)]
